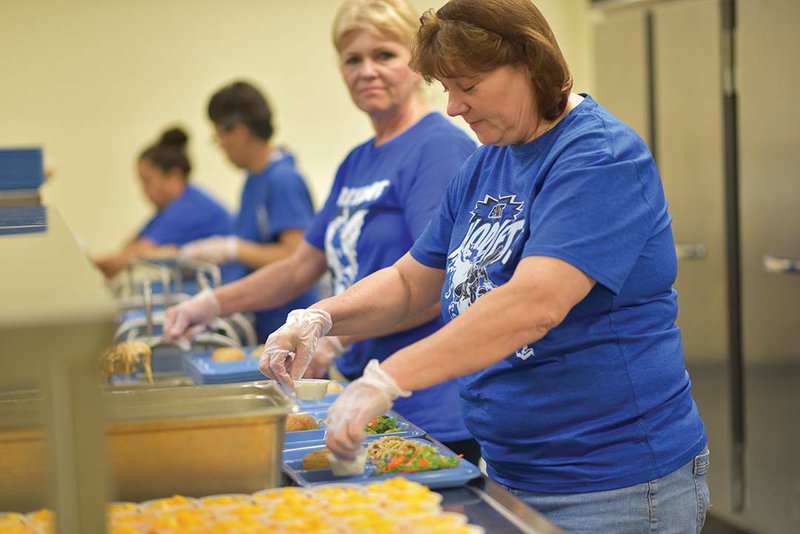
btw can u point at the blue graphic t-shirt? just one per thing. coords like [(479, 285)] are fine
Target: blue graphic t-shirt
[(273, 201), (193, 215), (603, 400), (381, 200)]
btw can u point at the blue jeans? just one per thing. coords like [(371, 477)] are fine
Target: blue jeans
[(675, 503)]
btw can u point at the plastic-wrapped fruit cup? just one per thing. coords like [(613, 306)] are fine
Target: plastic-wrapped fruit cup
[(345, 468), (311, 388), (168, 504), (443, 520), (222, 502), (11, 519), (43, 519)]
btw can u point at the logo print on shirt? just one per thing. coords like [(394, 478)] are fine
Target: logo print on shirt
[(493, 229), (344, 230)]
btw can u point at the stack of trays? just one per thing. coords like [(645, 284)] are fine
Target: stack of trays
[(21, 169), (299, 444), (204, 371)]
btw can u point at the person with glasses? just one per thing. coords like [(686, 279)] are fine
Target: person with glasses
[(384, 193), (553, 258), (275, 206)]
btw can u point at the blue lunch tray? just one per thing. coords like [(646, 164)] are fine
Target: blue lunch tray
[(442, 478), (203, 371), (308, 438)]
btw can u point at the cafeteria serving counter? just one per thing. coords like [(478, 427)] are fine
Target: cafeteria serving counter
[(489, 505), (56, 318)]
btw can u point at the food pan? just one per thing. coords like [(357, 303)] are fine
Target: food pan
[(192, 440)]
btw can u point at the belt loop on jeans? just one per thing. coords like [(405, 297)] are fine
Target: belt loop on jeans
[(701, 462)]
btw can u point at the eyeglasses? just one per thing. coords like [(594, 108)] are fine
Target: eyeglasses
[(219, 133)]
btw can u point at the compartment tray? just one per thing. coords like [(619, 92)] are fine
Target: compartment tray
[(307, 438), (442, 478)]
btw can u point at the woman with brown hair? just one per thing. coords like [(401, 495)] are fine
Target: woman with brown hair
[(553, 259)]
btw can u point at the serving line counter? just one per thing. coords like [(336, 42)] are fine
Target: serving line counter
[(209, 443), (58, 424), (55, 318)]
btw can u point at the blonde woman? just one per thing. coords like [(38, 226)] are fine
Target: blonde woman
[(383, 195)]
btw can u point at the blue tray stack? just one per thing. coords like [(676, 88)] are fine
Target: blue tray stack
[(204, 371), (299, 444), (21, 175), (21, 169)]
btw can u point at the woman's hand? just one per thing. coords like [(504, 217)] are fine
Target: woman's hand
[(200, 310), (368, 397), (289, 349), (218, 249)]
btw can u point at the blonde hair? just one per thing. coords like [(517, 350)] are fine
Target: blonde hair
[(475, 36), (394, 17)]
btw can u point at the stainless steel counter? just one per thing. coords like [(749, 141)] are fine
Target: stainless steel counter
[(55, 319), (489, 505)]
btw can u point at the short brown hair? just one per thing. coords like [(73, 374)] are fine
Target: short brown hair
[(393, 17), (242, 103), (475, 36)]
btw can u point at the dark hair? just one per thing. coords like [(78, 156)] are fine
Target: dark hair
[(169, 152), (241, 102), (475, 36)]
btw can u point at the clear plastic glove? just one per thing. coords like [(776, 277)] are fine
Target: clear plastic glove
[(328, 349), (218, 249), (189, 317), (289, 349), (370, 396)]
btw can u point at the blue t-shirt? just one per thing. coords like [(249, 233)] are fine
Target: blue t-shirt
[(193, 215), (273, 201), (381, 200), (603, 400)]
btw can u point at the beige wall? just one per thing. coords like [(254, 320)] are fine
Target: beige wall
[(94, 81)]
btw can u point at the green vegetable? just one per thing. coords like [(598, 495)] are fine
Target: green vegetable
[(382, 425), (423, 459)]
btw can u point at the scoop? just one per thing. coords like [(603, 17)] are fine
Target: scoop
[(344, 468)]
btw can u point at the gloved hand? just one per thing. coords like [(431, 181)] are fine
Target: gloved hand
[(370, 396), (328, 349), (217, 249), (289, 349), (200, 311)]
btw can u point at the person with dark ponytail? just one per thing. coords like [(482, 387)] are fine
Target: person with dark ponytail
[(184, 212)]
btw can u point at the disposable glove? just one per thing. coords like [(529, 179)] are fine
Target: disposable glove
[(328, 349), (218, 249), (197, 312), (368, 397), (289, 349)]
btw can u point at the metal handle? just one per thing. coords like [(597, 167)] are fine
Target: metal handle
[(690, 251), (161, 268), (147, 299), (208, 275), (781, 265)]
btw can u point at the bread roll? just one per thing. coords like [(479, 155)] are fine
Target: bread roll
[(227, 354), (300, 421), (317, 460)]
